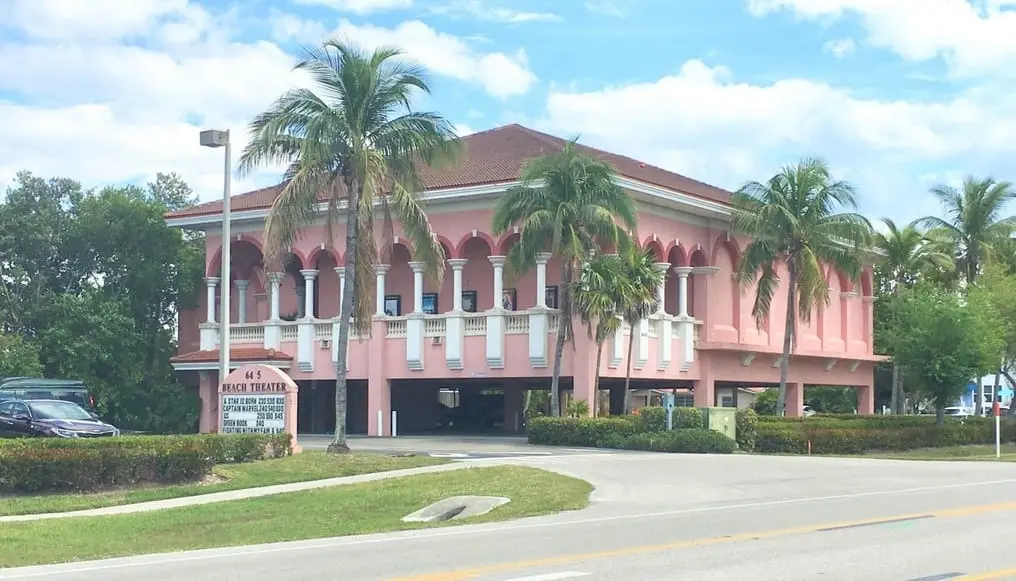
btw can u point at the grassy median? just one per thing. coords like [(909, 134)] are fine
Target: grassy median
[(298, 468), (343, 510), (978, 452)]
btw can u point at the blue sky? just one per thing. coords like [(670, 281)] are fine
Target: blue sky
[(898, 96)]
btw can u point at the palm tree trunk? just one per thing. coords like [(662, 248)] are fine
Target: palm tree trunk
[(897, 403), (788, 335), (338, 445), (596, 379), (562, 328), (627, 372)]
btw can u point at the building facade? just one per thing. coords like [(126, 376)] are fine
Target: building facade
[(488, 336)]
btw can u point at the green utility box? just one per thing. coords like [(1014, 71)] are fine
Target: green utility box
[(723, 420)]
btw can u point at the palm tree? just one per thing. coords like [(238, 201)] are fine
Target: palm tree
[(973, 227), (595, 302), (904, 255), (354, 139), (635, 297), (567, 203), (792, 219)]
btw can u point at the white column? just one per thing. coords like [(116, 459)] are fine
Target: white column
[(541, 278), (380, 270), (498, 262), (301, 292), (663, 267), (275, 282), (308, 292), (457, 265), (495, 318), (241, 303), (682, 290), (210, 283), (340, 271), (417, 285)]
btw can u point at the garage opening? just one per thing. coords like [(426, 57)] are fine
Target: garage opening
[(316, 407), (457, 407)]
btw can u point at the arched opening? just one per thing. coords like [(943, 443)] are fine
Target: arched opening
[(326, 285), (399, 282), (477, 276), (697, 299)]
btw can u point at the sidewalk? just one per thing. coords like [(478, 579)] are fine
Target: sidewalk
[(238, 494)]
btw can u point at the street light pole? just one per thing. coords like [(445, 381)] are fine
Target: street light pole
[(214, 138)]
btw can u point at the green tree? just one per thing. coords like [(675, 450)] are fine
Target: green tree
[(765, 402), (568, 203), (17, 357), (635, 296), (905, 253), (997, 287), (352, 141), (942, 340), (596, 304), (973, 229), (831, 400), (793, 219)]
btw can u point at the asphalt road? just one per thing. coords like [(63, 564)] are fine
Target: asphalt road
[(663, 517)]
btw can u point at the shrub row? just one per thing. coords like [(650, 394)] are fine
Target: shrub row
[(793, 437), (57, 464), (681, 440)]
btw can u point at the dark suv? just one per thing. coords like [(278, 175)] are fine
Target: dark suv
[(50, 418), (29, 388)]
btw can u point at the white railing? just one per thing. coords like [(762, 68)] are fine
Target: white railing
[(396, 328), (288, 331), (247, 333), (434, 327), (474, 324), (516, 324), (552, 322), (322, 331)]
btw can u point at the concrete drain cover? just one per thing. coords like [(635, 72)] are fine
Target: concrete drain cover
[(456, 507)]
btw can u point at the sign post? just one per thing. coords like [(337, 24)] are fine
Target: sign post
[(258, 399), (996, 409), (668, 404)]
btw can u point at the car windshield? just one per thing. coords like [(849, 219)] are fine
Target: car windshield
[(58, 410)]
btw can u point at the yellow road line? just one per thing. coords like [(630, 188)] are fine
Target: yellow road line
[(465, 574), (1000, 574)]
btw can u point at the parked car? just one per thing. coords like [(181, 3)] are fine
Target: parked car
[(50, 418), (958, 412), (29, 388), (807, 412)]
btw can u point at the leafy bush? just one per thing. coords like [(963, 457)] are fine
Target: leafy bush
[(747, 429), (685, 417), (52, 464), (578, 431), (651, 419), (874, 433), (683, 440)]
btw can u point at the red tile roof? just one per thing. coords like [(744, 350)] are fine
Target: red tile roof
[(235, 354), (489, 157)]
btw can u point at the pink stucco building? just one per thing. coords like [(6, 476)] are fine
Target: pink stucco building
[(481, 339)]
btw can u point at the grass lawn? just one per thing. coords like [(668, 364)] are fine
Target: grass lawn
[(296, 468), (342, 510), (979, 452)]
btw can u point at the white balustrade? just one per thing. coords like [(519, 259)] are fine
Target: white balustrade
[(434, 327), (516, 324), (396, 327), (322, 331), (474, 324), (247, 333), (289, 330)]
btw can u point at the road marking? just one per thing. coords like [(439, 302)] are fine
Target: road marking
[(1000, 574), (447, 455), (472, 573), (907, 519), (550, 576), (350, 541)]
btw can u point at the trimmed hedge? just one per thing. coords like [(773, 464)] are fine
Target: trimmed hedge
[(747, 429), (580, 431), (873, 434), (682, 440), (58, 464)]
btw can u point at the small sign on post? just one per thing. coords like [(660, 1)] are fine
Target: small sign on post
[(668, 405), (258, 399)]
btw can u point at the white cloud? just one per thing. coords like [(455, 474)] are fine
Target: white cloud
[(483, 11), (606, 8), (500, 74), (74, 19), (360, 6), (975, 37), (706, 125), (462, 129), (840, 48)]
